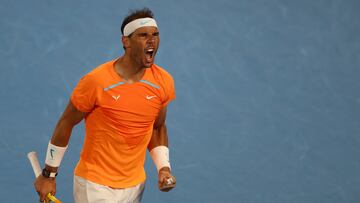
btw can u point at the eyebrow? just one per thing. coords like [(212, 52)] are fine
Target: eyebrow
[(145, 33)]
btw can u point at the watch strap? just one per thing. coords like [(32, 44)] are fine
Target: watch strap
[(48, 174)]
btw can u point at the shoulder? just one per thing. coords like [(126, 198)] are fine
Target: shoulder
[(166, 81), (161, 73)]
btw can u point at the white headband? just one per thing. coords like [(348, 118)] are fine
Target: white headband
[(138, 23)]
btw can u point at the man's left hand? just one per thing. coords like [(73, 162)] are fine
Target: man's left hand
[(166, 180)]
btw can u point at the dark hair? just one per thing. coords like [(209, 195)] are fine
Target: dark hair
[(136, 14)]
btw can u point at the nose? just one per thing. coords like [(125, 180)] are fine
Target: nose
[(151, 39)]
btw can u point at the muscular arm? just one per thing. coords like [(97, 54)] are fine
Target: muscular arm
[(70, 117), (159, 136), (60, 137)]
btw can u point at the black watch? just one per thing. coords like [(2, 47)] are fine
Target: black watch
[(48, 174)]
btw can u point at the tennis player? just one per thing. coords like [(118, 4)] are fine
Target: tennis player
[(124, 104)]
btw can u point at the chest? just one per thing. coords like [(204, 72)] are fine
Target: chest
[(138, 101)]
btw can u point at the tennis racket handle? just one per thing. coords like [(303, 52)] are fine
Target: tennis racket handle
[(32, 156)]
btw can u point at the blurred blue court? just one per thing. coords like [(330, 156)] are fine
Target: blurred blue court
[(268, 94)]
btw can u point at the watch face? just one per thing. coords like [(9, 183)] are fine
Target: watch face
[(45, 173), (48, 174)]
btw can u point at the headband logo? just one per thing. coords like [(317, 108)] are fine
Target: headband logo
[(144, 22)]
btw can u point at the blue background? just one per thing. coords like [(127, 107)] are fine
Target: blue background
[(268, 94)]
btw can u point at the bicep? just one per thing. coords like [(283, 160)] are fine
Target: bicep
[(160, 119), (72, 115), (159, 136)]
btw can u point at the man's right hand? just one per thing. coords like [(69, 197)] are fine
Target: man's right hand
[(43, 186)]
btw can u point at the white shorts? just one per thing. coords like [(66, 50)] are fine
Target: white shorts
[(86, 191)]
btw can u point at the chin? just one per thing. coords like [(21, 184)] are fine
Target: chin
[(148, 65)]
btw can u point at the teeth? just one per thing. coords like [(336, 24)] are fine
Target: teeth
[(150, 50)]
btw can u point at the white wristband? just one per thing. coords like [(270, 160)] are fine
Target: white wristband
[(160, 156), (54, 155)]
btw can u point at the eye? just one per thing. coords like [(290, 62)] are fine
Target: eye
[(156, 34), (142, 35)]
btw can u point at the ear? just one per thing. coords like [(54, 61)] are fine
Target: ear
[(125, 41)]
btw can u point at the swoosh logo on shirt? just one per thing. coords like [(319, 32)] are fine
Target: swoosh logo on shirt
[(150, 97)]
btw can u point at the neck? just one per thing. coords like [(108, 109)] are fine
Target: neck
[(128, 69)]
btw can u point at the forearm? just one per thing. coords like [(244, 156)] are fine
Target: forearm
[(60, 138), (159, 137), (62, 132), (159, 152), (158, 148)]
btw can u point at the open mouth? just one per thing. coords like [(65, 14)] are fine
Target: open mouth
[(149, 54)]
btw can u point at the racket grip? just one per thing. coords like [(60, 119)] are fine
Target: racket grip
[(32, 156)]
